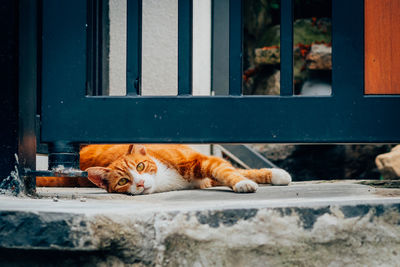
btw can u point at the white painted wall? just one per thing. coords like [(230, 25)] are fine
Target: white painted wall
[(117, 56), (201, 47), (160, 47)]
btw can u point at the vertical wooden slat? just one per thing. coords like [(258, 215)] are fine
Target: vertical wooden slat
[(348, 53), (134, 42), (286, 48), (185, 48), (235, 47), (220, 47), (382, 43)]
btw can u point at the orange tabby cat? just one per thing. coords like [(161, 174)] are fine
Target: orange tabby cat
[(146, 169)]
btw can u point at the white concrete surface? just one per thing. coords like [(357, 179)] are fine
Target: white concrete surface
[(298, 194), (98, 201)]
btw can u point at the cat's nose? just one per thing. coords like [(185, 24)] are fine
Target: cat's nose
[(140, 183)]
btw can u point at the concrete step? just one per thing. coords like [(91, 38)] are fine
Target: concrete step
[(304, 224)]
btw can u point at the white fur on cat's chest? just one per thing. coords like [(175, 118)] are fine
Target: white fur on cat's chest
[(165, 179), (168, 179)]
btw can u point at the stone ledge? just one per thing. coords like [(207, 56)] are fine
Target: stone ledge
[(306, 224)]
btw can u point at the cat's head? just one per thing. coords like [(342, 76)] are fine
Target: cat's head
[(133, 173)]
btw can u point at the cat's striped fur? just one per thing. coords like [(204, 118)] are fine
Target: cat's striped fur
[(144, 169)]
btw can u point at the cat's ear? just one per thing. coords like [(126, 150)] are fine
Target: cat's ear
[(131, 149), (98, 176), (140, 149), (136, 149)]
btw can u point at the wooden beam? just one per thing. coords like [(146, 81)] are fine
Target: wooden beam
[(382, 43)]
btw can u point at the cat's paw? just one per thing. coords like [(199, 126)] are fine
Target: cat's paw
[(280, 177), (245, 186)]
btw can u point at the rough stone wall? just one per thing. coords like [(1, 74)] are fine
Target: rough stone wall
[(361, 235)]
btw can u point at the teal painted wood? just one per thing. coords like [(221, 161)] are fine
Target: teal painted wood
[(134, 44), (185, 48), (220, 47), (235, 47), (286, 77), (347, 116)]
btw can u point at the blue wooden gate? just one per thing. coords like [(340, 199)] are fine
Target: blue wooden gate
[(65, 63), (69, 115)]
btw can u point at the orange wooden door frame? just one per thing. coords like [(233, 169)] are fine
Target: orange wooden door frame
[(382, 46)]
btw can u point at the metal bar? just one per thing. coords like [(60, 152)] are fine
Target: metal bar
[(104, 38), (348, 51), (286, 47), (235, 47), (67, 172), (27, 80), (220, 47), (134, 43), (97, 48), (185, 47), (41, 148), (247, 156), (92, 48), (63, 154), (227, 119)]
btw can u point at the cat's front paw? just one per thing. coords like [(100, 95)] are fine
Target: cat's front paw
[(245, 186), (280, 177)]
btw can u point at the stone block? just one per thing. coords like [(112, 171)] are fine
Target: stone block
[(389, 163), (319, 57), (267, 55)]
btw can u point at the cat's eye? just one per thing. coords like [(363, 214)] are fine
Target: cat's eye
[(123, 181), (140, 167)]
